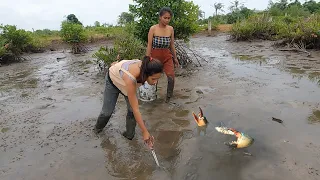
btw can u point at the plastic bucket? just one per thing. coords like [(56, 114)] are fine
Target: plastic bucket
[(147, 92)]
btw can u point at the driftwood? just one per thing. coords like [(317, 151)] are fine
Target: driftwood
[(79, 48), (186, 55), (8, 58), (297, 47)]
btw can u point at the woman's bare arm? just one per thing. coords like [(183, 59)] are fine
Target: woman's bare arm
[(173, 48), (150, 36), (131, 90)]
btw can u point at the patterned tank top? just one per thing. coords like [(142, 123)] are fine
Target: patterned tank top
[(161, 42)]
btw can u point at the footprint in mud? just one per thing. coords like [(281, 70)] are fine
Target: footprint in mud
[(184, 97), (306, 67), (186, 90), (182, 113)]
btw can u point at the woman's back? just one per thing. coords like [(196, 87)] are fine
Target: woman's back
[(117, 71)]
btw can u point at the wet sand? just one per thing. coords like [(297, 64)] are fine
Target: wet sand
[(48, 108)]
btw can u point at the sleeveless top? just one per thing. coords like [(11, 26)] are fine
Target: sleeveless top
[(161, 42), (116, 73)]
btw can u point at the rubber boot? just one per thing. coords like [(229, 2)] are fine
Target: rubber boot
[(130, 126), (170, 88), (102, 121)]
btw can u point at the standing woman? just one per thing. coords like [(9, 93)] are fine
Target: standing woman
[(160, 42)]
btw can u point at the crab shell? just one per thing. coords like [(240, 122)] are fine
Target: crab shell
[(244, 141)]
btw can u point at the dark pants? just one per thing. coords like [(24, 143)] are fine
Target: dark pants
[(110, 97)]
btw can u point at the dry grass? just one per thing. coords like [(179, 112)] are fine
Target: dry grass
[(224, 27)]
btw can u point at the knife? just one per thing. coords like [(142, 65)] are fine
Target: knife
[(155, 157)]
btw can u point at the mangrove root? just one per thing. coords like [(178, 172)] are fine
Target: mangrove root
[(186, 55), (8, 58), (79, 48), (296, 47)]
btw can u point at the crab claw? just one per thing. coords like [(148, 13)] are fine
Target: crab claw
[(200, 119), (201, 112), (195, 118)]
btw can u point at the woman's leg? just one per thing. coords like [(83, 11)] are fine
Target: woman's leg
[(169, 70), (165, 56), (110, 97), (130, 122)]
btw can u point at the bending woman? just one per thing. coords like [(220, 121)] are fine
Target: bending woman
[(125, 77), (160, 42)]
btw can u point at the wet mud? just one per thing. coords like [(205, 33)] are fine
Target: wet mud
[(49, 105)]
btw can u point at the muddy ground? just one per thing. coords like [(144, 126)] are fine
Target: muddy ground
[(49, 106)]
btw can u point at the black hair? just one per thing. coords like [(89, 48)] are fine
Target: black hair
[(164, 10), (149, 67)]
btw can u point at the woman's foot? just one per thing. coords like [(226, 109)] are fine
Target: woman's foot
[(126, 136), (97, 131)]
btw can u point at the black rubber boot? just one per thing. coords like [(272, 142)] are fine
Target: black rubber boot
[(130, 126), (101, 123), (170, 88)]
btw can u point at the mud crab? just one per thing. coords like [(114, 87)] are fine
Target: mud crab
[(243, 140), (200, 119)]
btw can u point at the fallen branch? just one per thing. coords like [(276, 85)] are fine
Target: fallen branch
[(296, 47), (184, 54)]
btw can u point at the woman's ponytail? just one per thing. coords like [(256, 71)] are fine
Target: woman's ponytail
[(149, 67)]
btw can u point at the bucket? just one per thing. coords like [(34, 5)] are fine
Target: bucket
[(147, 92)]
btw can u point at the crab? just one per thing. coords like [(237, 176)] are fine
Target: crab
[(243, 140), (200, 119)]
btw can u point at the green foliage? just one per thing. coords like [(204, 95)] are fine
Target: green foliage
[(18, 39), (71, 18), (256, 26), (39, 43), (97, 24), (292, 29), (105, 54), (125, 18), (2, 48), (242, 13), (126, 45), (312, 6), (184, 20), (46, 32), (293, 22), (129, 47), (102, 32), (72, 32)]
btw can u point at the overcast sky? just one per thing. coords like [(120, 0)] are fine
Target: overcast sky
[(41, 14)]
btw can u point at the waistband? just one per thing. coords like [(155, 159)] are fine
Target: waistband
[(161, 49)]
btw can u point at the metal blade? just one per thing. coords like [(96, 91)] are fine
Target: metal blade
[(155, 157)]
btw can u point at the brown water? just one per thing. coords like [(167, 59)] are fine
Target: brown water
[(48, 108)]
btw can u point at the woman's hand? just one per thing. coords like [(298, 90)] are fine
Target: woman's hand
[(149, 140), (176, 62)]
